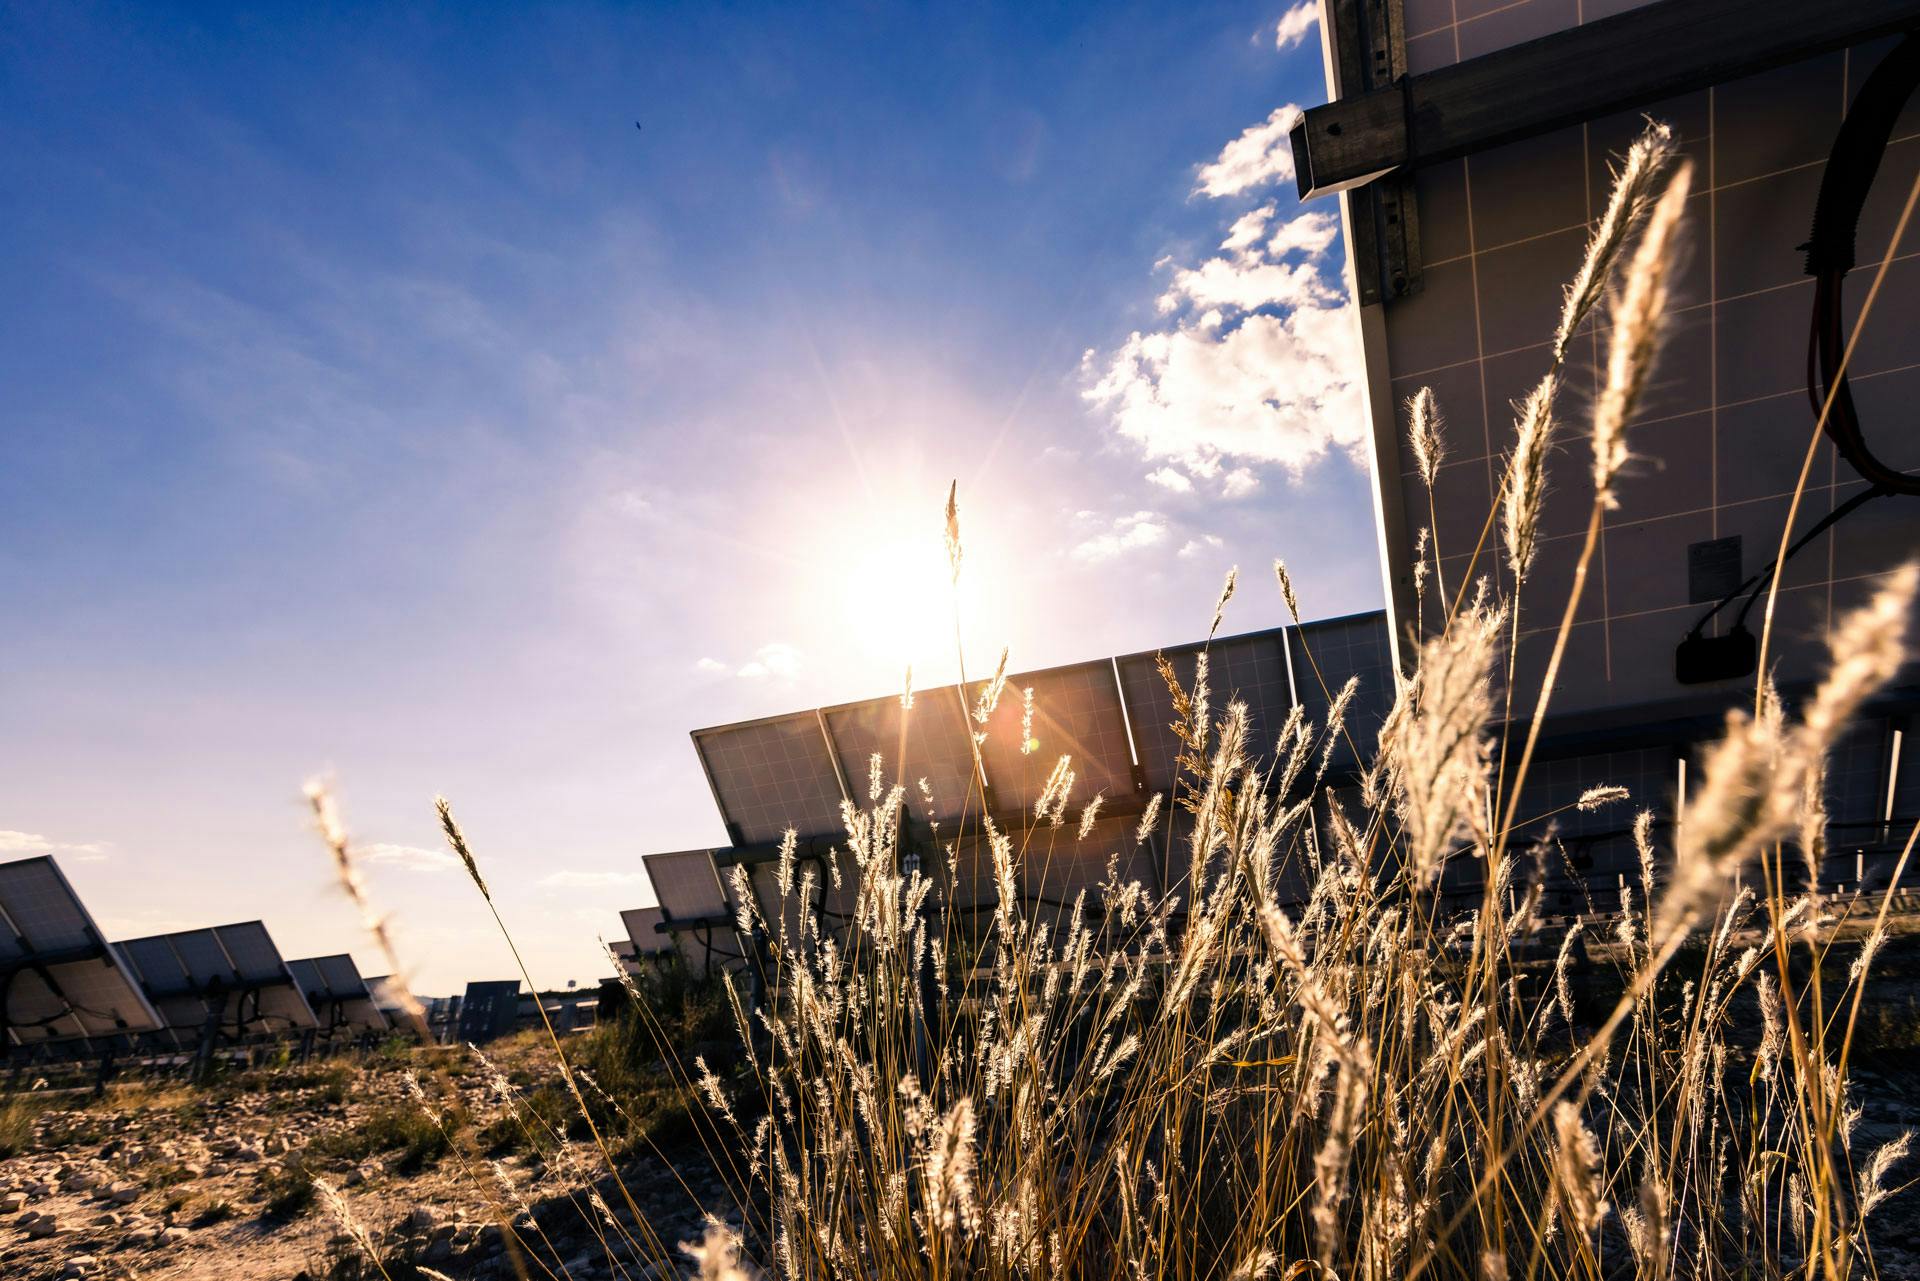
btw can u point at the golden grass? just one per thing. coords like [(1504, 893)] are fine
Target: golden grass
[(1215, 1084)]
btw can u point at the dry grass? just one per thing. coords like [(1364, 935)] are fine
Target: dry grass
[(1215, 1083)]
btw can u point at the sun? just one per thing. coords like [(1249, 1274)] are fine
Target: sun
[(896, 596)]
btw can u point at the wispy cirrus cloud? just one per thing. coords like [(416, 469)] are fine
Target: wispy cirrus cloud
[(29, 844), (576, 880), (409, 858)]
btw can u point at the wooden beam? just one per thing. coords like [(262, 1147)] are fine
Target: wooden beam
[(1613, 64)]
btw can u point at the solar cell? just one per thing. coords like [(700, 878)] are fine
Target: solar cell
[(771, 775)]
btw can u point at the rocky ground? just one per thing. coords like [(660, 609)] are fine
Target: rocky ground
[(159, 1180)]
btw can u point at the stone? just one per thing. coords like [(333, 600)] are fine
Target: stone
[(41, 1225), (12, 1202)]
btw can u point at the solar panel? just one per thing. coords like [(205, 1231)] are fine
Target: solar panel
[(1250, 668), (205, 961), (43, 908), (641, 925), (489, 1010), (771, 775), (934, 748), (77, 986), (1076, 713), (334, 990), (1324, 655), (251, 952), (1721, 435), (687, 886)]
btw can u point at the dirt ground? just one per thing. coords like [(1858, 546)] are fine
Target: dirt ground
[(160, 1180)]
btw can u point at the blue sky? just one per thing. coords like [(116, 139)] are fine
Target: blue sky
[(380, 401)]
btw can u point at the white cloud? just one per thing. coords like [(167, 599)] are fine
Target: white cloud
[(591, 880), (1247, 230), (1194, 546), (709, 665), (1169, 478), (29, 844), (409, 858), (1310, 233), (1125, 534), (1260, 155), (1295, 23), (776, 658), (1241, 284), (1269, 389), (1259, 362)]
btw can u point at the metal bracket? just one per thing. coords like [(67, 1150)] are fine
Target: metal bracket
[(1370, 53)]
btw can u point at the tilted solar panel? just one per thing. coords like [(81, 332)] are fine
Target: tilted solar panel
[(773, 774), (77, 986), (934, 747), (156, 964), (641, 924), (205, 960), (43, 908), (313, 984), (686, 884), (251, 950), (1076, 713), (342, 975), (688, 887)]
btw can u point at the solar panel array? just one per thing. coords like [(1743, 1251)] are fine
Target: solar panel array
[(229, 974), (788, 771), (1720, 439), (64, 981)]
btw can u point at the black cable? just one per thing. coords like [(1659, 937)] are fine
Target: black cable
[(1852, 165)]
